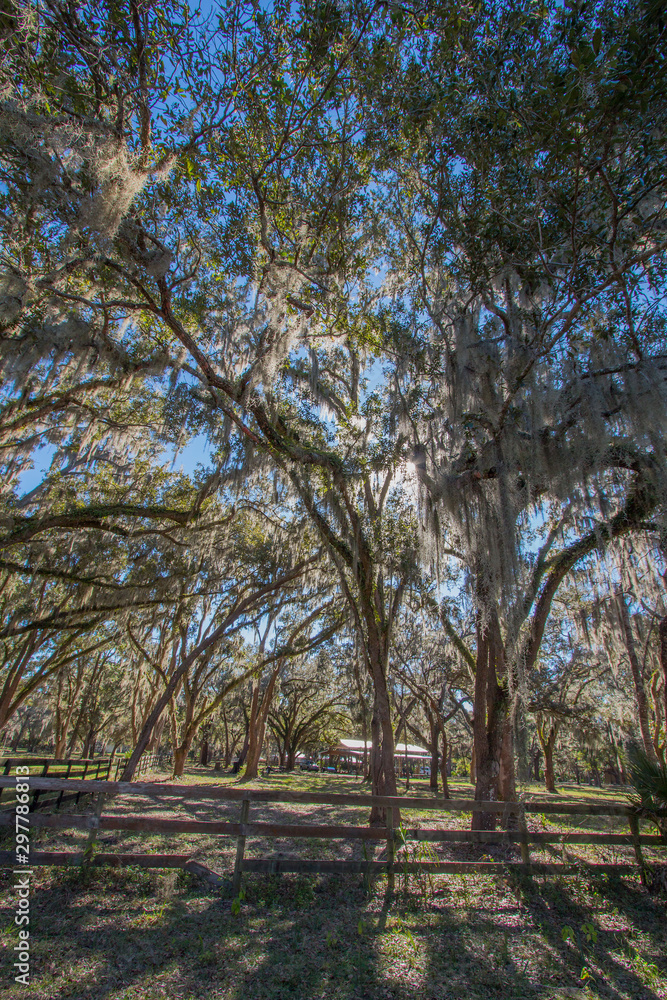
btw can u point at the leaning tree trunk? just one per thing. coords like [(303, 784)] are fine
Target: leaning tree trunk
[(156, 735)]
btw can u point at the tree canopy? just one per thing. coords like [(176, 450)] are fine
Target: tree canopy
[(395, 275)]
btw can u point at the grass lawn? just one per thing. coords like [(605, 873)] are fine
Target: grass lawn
[(130, 933)]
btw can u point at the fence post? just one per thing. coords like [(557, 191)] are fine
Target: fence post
[(633, 821), (94, 828), (523, 834), (391, 847), (240, 847), (60, 797), (83, 778), (7, 768), (45, 771)]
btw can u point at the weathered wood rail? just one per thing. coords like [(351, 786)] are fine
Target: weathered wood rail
[(244, 828)]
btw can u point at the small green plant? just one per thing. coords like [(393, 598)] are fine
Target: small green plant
[(586, 976), (590, 933), (650, 780), (410, 936), (648, 971), (417, 854), (236, 903)]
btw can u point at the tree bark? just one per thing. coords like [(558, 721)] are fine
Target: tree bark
[(181, 755), (490, 720), (549, 776), (156, 735), (433, 780), (383, 772), (536, 766)]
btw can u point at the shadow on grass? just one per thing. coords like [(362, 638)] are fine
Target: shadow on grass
[(107, 934)]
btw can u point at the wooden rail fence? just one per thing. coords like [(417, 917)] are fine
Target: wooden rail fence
[(146, 764), (98, 768), (82, 768), (244, 828)]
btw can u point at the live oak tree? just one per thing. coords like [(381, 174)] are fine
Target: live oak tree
[(527, 252)]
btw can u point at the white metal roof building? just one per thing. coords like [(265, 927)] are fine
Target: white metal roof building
[(356, 748)]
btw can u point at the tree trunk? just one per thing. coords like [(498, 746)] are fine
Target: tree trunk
[(507, 780), (662, 632), (383, 772), (18, 735), (259, 728), (433, 780), (445, 764), (250, 744), (156, 736), (547, 738), (637, 678), (180, 756), (549, 776), (490, 721)]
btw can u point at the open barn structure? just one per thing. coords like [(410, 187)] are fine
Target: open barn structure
[(350, 755)]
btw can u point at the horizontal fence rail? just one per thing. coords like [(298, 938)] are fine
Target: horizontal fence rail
[(243, 828)]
